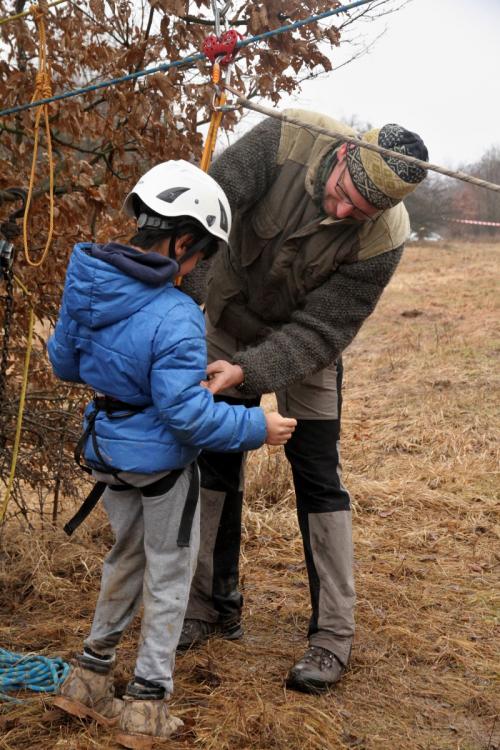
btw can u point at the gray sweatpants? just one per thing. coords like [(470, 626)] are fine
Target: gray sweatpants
[(146, 565)]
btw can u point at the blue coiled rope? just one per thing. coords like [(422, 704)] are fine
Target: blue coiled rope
[(30, 672)]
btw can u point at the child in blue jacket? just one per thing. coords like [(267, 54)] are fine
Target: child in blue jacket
[(127, 332)]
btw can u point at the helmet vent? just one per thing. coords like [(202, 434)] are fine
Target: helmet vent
[(210, 220), (170, 195), (224, 224)]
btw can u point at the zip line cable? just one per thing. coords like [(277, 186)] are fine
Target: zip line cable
[(243, 102), (191, 59), (186, 61)]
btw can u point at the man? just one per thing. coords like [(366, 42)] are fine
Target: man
[(319, 229)]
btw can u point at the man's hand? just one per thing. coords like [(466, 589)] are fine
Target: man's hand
[(279, 429), (222, 375)]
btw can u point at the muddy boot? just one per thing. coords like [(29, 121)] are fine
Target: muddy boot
[(145, 717), (88, 691), (197, 632), (317, 671)]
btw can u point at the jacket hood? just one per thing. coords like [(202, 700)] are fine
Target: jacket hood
[(107, 283)]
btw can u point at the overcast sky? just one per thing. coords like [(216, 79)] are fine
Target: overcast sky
[(436, 70)]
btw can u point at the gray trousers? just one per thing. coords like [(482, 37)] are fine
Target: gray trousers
[(323, 507), (145, 565)]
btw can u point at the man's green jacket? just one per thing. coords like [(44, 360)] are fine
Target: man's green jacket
[(294, 286)]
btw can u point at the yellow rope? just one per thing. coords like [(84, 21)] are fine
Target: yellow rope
[(43, 89), (22, 400), (24, 13), (211, 139), (215, 123)]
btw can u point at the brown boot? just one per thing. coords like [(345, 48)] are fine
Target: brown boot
[(317, 671), (90, 694), (144, 720)]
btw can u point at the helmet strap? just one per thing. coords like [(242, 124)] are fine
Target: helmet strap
[(171, 246), (196, 248), (146, 221)]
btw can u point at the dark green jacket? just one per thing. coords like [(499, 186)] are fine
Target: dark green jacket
[(295, 285)]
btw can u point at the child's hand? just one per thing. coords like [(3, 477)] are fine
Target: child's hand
[(279, 429)]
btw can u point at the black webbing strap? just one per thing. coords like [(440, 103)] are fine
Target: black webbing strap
[(186, 524), (160, 487), (85, 508), (77, 454), (89, 504), (115, 409)]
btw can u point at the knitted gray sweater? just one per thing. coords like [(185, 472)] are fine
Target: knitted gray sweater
[(319, 331)]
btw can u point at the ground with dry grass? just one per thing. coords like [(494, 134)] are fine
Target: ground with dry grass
[(420, 458)]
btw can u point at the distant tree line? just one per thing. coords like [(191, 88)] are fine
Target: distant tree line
[(436, 205)]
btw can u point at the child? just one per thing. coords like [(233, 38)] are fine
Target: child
[(125, 330)]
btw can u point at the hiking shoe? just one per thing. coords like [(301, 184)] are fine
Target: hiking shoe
[(317, 671), (196, 632), (88, 694), (144, 721)]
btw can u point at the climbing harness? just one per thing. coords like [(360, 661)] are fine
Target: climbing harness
[(30, 672), (116, 409), (43, 87)]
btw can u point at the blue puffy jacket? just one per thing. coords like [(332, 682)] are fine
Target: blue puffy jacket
[(143, 342)]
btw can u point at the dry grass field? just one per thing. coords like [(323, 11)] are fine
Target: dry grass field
[(420, 452)]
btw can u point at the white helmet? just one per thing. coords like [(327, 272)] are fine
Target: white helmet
[(177, 188)]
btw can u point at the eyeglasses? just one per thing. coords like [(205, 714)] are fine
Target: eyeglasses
[(358, 214)]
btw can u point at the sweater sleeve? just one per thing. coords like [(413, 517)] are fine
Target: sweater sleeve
[(245, 171), (194, 283), (321, 329)]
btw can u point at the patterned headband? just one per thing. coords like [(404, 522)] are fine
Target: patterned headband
[(385, 180)]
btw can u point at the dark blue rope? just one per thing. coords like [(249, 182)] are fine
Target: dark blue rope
[(30, 672), (186, 61)]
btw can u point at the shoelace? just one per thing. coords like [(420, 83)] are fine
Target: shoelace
[(320, 656)]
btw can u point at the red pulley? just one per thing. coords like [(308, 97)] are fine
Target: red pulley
[(224, 47)]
